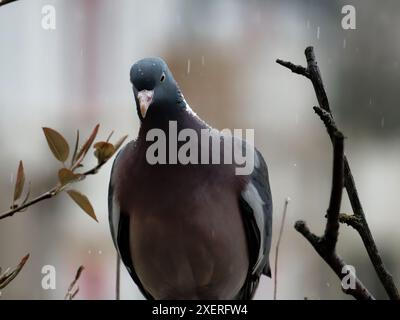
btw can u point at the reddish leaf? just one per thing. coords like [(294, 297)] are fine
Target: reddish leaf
[(82, 201), (19, 183), (57, 144), (75, 149), (84, 149), (65, 176), (104, 151), (27, 194)]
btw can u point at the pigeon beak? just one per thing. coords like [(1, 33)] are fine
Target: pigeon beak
[(145, 98)]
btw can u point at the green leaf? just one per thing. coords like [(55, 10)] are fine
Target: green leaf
[(8, 276), (84, 149), (20, 181), (82, 201), (65, 176), (57, 144), (104, 151)]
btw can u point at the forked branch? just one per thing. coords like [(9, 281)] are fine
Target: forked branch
[(357, 220)]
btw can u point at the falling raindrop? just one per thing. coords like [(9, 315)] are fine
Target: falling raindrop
[(90, 251), (203, 61), (100, 252), (382, 122), (370, 101), (344, 43), (295, 164), (318, 32), (188, 67)]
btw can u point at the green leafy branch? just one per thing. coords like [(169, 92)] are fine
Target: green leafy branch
[(67, 174)]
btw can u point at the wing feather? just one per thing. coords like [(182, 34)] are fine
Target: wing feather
[(256, 206), (119, 225)]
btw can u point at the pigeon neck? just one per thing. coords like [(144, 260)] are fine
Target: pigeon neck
[(183, 118)]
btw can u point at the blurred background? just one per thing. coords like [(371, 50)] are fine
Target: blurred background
[(222, 54)]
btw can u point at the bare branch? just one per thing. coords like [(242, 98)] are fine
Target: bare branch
[(326, 245), (332, 224), (294, 68), (327, 119), (334, 261), (351, 220), (358, 220), (316, 79)]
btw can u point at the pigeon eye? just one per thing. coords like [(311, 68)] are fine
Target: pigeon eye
[(162, 77)]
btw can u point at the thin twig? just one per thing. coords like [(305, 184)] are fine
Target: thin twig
[(118, 278), (351, 220), (278, 245), (326, 244), (295, 68), (359, 222), (327, 119), (71, 293), (366, 236), (360, 292), (316, 79), (9, 274), (73, 158), (331, 233), (50, 194)]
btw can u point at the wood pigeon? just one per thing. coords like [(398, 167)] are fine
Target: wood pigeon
[(186, 230)]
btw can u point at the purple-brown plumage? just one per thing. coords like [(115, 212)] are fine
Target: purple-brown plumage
[(190, 231)]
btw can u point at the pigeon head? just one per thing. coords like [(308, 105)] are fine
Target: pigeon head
[(155, 89)]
